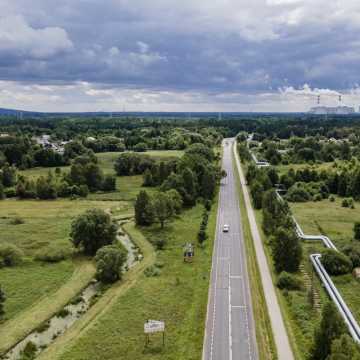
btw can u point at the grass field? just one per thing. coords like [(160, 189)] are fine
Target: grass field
[(127, 188), (323, 166), (178, 296), (46, 223), (330, 219), (106, 162), (327, 218)]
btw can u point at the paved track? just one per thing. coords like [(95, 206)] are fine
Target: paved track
[(230, 328)]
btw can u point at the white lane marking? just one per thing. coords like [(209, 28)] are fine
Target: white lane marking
[(230, 314), (235, 276), (239, 307)]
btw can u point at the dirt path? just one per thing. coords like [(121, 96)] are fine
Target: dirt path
[(284, 350)]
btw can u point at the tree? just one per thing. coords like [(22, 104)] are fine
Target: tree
[(286, 250), (9, 175), (208, 183), (256, 191), (357, 230), (92, 230), (109, 183), (45, 188), (163, 208), (2, 193), (189, 182), (344, 348), (144, 210), (2, 301), (148, 178), (176, 200), (109, 262), (331, 327)]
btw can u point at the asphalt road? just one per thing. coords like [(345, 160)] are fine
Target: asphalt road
[(230, 328)]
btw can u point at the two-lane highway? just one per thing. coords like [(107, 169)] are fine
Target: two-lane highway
[(230, 329)]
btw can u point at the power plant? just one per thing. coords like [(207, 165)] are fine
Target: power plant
[(332, 110)]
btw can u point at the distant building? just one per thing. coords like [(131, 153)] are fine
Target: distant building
[(327, 110)]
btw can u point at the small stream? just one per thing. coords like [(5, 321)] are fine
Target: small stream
[(59, 323)]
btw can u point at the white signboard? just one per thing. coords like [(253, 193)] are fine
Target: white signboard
[(152, 326)]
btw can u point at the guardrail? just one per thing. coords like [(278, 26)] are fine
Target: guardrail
[(330, 287)]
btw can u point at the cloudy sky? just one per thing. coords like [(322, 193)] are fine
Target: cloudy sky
[(172, 55)]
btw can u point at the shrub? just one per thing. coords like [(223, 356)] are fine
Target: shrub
[(345, 203), (10, 192), (152, 271), (288, 281), (208, 205), (29, 351), (17, 221), (10, 255), (357, 230), (202, 236), (160, 244), (297, 193), (63, 313), (52, 255), (336, 263), (331, 198), (353, 252)]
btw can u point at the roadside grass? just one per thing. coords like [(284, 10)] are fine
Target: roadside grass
[(178, 296), (299, 317), (264, 334)]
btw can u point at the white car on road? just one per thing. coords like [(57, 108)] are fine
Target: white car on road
[(226, 228)]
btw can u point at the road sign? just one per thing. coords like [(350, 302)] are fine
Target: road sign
[(153, 326)]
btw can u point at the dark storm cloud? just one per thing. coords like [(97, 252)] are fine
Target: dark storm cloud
[(215, 47)]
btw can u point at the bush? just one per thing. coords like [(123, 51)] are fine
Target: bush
[(10, 255), (331, 198), (345, 203), (10, 192), (288, 281), (29, 351), (297, 193), (52, 255), (160, 244), (336, 263), (353, 252), (17, 221), (152, 271), (357, 230)]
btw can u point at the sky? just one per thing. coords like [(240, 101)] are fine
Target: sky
[(172, 55)]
